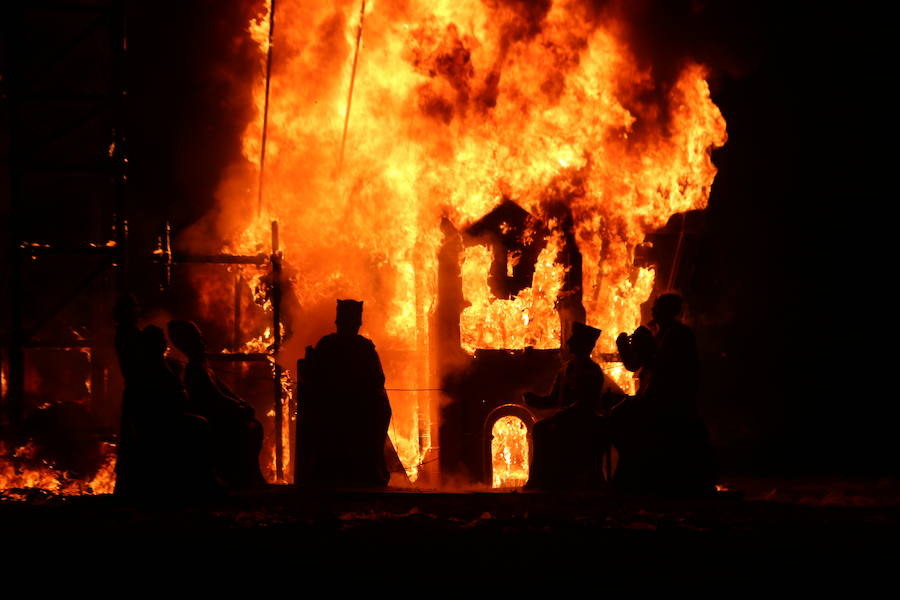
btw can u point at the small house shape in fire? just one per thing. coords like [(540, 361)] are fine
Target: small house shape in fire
[(488, 386)]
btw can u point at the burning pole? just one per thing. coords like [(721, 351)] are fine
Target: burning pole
[(359, 31), (265, 123), (236, 333), (275, 262), (276, 346), (423, 375)]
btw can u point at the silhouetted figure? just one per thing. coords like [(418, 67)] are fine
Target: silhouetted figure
[(344, 412), (236, 435), (662, 442), (162, 449), (569, 446), (637, 349), (128, 350)]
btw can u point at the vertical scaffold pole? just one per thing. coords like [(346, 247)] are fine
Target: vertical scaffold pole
[(276, 347)]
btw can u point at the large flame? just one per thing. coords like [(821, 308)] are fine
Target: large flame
[(528, 319), (455, 106)]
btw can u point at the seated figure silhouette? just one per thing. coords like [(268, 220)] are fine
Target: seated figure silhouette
[(235, 435), (344, 409), (569, 446), (662, 442), (128, 351), (162, 448)]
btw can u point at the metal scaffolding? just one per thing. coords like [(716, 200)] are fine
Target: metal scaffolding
[(169, 259), (66, 120), (66, 100)]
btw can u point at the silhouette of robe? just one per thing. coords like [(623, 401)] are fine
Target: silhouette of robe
[(162, 449), (128, 459), (569, 446), (662, 442), (345, 414), (236, 436)]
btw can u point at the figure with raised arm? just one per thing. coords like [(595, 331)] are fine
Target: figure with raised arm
[(663, 444), (569, 446)]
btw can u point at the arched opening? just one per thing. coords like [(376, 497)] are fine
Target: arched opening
[(509, 450)]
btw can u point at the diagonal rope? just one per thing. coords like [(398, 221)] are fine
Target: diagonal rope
[(359, 31), (265, 123)]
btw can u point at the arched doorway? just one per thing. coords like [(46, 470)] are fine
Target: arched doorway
[(508, 445)]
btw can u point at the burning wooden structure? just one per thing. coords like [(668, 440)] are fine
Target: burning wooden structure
[(482, 175)]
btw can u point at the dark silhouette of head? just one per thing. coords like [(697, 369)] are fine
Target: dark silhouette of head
[(153, 343), (187, 337), (582, 340), (126, 310), (667, 308), (583, 382), (349, 317)]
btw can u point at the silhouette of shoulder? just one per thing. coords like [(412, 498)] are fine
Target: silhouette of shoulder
[(338, 341), (683, 330), (679, 340)]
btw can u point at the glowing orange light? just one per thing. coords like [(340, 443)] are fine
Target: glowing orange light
[(509, 452)]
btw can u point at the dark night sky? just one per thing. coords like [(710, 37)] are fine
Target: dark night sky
[(785, 291)]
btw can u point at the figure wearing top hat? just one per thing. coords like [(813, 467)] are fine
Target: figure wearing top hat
[(344, 409), (569, 446), (569, 386)]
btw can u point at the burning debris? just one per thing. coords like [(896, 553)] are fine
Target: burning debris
[(23, 469)]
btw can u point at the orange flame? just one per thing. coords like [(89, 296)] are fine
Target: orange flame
[(528, 319), (509, 452), (19, 471)]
